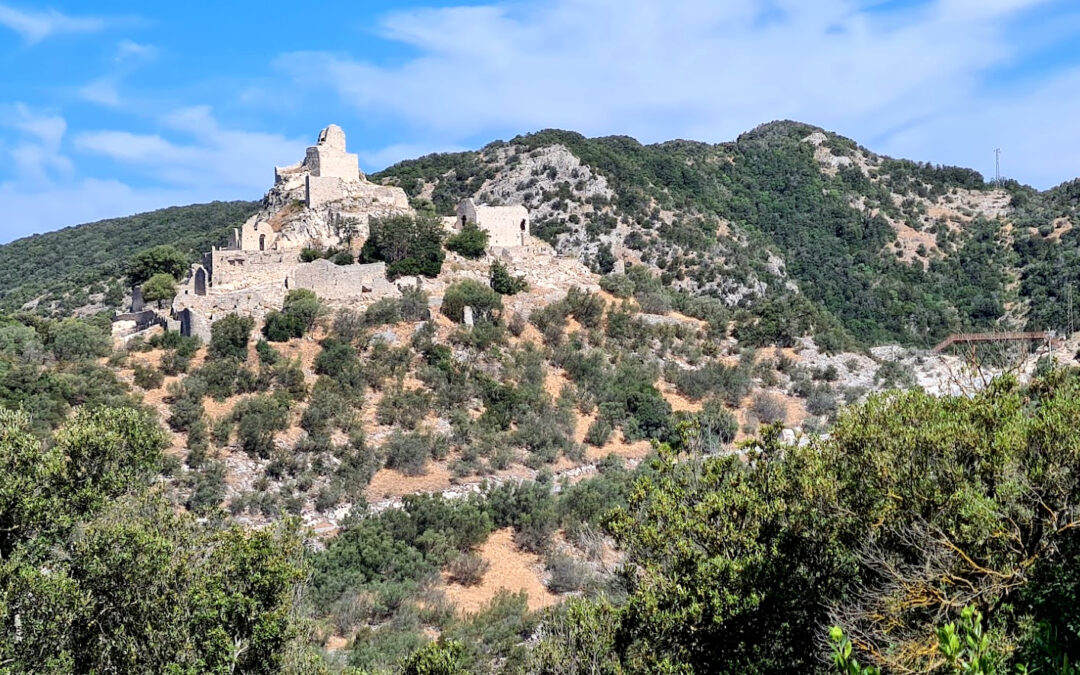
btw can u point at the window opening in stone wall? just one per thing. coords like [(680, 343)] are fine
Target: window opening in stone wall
[(262, 242)]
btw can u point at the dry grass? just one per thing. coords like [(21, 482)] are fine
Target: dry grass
[(511, 569), (388, 483)]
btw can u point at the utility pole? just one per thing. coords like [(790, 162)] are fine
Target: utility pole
[(997, 166)]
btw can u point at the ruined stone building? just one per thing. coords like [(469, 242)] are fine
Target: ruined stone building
[(320, 202), (505, 225)]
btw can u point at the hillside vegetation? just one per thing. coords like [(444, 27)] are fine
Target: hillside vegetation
[(611, 472), (81, 265), (881, 249)]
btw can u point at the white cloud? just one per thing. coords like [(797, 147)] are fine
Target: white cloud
[(703, 69), (35, 26), (193, 159), (129, 50), (36, 153), (210, 157), (102, 91)]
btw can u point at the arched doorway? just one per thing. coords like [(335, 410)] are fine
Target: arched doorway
[(200, 281)]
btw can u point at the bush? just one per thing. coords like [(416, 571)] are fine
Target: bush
[(468, 569), (207, 489), (717, 423), (730, 382), (76, 340), (504, 283), (297, 316), (164, 259), (469, 293), (768, 408), (587, 308), (158, 288), (257, 419), (385, 311), (414, 304), (279, 327), (821, 401), (343, 258), (619, 285), (403, 407), (599, 432), (408, 452), (470, 242), (229, 337), (408, 246), (567, 575), (148, 377), (268, 356)]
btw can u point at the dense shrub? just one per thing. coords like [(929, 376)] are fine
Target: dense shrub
[(768, 408), (408, 246), (587, 308), (409, 452), (229, 337), (297, 316), (382, 312), (164, 259), (257, 419), (148, 377), (598, 433), (468, 569), (75, 339), (717, 423), (470, 242), (504, 283), (566, 575), (485, 302)]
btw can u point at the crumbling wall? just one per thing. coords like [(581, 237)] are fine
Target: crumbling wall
[(505, 225), (234, 269), (342, 282), (256, 235)]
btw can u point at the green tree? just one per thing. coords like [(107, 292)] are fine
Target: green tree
[(408, 246), (159, 287), (229, 337), (164, 259), (74, 339), (470, 242)]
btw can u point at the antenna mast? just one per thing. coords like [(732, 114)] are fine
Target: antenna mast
[(997, 166)]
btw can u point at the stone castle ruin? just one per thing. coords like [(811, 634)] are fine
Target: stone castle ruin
[(322, 201), (506, 225)]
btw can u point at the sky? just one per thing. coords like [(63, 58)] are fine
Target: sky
[(115, 107)]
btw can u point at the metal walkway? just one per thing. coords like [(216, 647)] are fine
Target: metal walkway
[(965, 338)]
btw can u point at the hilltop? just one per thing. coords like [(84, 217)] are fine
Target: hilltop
[(797, 230)]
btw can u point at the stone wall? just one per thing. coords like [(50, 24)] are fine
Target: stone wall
[(256, 235), (328, 159), (321, 190), (233, 269), (336, 283), (505, 225)]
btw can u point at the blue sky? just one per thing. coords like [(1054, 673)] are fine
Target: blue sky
[(111, 108)]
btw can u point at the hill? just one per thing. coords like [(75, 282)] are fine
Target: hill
[(855, 244), (80, 266), (626, 465), (804, 231)]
